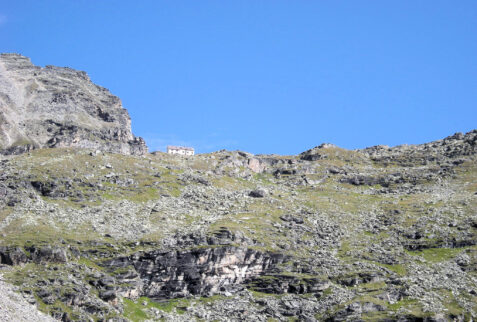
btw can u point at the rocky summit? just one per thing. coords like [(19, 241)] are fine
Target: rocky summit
[(379, 234), (59, 107)]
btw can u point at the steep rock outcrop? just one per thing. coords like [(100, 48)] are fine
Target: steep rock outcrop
[(38, 254), (201, 271), (59, 107), (455, 146)]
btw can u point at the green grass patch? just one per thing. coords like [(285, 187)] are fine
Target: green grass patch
[(134, 311), (89, 263), (373, 286), (402, 303), (396, 268), (436, 255), (137, 311)]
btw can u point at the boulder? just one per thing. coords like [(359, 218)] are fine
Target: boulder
[(12, 256), (258, 193)]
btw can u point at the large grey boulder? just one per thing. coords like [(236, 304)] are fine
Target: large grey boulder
[(43, 107)]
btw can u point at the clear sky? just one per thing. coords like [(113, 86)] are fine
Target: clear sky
[(266, 76)]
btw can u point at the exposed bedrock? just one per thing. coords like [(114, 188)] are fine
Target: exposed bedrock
[(38, 254), (201, 271), (45, 107)]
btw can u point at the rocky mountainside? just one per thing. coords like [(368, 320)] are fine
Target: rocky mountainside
[(59, 107), (379, 234)]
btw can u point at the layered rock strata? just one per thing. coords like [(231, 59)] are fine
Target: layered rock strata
[(201, 271)]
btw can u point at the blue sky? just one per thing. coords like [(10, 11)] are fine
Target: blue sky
[(266, 76)]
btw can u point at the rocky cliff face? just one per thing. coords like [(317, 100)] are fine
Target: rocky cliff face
[(202, 271), (59, 107)]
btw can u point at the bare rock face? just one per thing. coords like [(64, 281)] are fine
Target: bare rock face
[(201, 271), (59, 107)]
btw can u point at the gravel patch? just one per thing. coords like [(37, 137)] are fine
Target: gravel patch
[(13, 307)]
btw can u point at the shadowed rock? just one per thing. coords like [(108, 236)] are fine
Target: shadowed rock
[(203, 271)]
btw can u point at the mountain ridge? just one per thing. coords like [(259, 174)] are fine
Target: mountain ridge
[(59, 107)]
